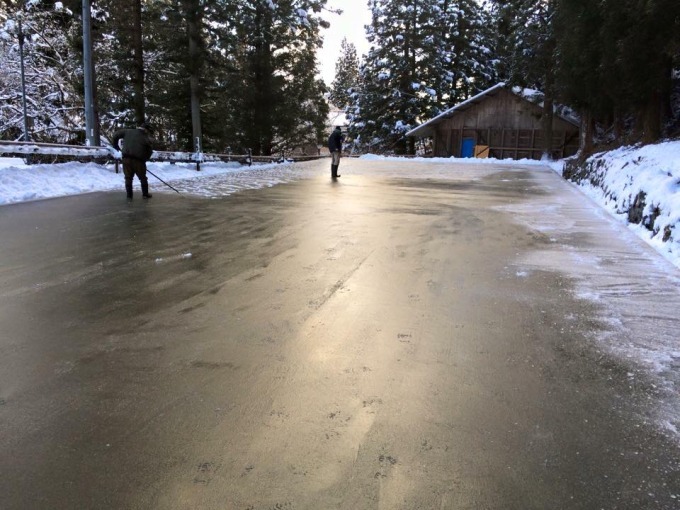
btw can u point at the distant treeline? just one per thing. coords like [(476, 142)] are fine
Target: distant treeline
[(246, 71)]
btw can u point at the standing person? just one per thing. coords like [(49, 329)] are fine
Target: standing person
[(136, 152), (335, 146)]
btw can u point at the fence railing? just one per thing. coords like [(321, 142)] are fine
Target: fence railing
[(82, 152), (52, 149)]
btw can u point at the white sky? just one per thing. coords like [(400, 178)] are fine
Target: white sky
[(349, 24)]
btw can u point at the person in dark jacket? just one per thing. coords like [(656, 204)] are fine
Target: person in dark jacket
[(136, 152), (335, 146)]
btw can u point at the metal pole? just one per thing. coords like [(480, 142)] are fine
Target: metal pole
[(23, 81), (149, 171), (87, 74)]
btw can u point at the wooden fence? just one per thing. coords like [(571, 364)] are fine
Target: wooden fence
[(104, 154)]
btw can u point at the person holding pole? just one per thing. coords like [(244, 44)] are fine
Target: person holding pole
[(335, 146), (136, 152)]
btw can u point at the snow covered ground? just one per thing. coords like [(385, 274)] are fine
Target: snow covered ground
[(617, 177), (20, 182)]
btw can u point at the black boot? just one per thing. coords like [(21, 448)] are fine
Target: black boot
[(334, 171), (145, 189), (128, 189)]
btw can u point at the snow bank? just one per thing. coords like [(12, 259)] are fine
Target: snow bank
[(615, 179), (20, 182)]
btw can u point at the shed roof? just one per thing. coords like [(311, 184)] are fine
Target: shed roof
[(532, 96)]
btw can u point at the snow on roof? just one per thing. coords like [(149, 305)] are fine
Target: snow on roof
[(536, 97), (450, 111), (531, 95)]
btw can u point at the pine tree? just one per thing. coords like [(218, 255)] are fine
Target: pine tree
[(527, 53), (463, 61), (346, 75), (189, 49), (525, 42), (280, 96), (118, 49), (251, 70), (393, 93), (54, 105), (616, 63), (425, 55), (647, 59), (504, 16)]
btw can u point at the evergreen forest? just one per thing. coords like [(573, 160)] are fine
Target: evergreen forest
[(245, 72)]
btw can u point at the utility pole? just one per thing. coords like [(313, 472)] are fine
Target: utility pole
[(138, 73), (23, 81), (91, 133)]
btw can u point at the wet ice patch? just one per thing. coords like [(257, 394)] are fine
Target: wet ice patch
[(249, 178), (631, 294)]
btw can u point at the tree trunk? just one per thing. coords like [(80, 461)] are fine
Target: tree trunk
[(138, 65), (618, 123), (651, 118), (587, 131), (261, 136), (406, 145), (411, 145), (548, 115), (95, 108)]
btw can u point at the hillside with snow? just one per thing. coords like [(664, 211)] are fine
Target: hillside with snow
[(640, 186)]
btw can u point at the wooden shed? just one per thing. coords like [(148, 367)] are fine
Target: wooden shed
[(502, 123)]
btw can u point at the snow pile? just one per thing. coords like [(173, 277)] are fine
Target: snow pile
[(20, 182), (56, 150), (650, 174)]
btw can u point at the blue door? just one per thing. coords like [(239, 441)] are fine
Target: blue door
[(467, 149)]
